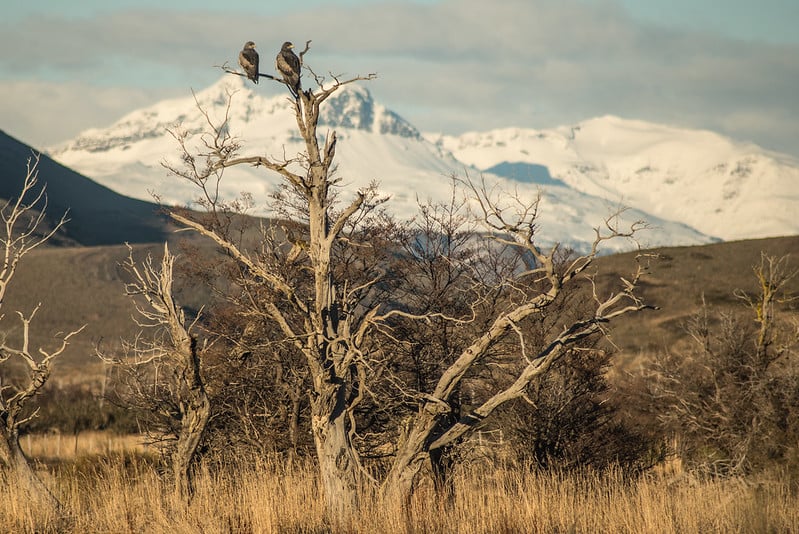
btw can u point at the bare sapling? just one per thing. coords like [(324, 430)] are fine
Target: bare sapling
[(176, 390), (24, 228)]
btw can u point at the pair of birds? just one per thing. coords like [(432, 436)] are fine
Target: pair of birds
[(287, 63)]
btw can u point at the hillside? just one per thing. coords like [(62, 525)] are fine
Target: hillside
[(79, 285), (97, 215), (680, 277)]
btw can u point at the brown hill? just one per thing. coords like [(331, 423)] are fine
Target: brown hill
[(75, 286), (84, 285), (679, 278)]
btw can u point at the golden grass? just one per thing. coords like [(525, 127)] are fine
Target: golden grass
[(87, 443), (124, 493)]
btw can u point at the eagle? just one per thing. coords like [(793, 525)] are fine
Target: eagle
[(248, 59), (288, 65)]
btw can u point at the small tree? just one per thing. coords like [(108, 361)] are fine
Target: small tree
[(164, 374), (22, 231)]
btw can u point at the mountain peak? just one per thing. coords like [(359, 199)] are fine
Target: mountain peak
[(353, 107), (218, 93)]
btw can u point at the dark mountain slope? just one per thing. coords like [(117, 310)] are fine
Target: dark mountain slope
[(98, 216)]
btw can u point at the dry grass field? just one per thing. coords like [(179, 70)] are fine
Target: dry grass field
[(57, 448), (121, 491)]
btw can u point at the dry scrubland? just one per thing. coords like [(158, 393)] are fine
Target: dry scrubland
[(109, 484), (78, 285), (123, 492)]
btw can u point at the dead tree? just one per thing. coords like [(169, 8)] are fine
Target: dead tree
[(22, 231), (333, 303), (173, 346), (541, 279), (320, 323)]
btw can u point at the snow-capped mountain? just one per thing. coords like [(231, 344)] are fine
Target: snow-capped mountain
[(584, 173), (373, 144), (720, 187)]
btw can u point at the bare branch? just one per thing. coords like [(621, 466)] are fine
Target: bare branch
[(22, 231), (270, 277), (224, 66)]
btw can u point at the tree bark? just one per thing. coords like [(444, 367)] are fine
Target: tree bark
[(338, 466), (196, 410), (294, 421), (412, 452)]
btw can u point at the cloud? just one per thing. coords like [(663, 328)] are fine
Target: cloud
[(42, 113), (448, 66)]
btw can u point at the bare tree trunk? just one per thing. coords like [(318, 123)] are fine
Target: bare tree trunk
[(411, 455), (195, 411), (194, 421), (338, 465), (330, 356)]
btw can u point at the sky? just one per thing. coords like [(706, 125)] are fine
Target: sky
[(450, 66)]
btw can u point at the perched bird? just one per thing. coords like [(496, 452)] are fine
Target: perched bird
[(288, 65), (248, 59)]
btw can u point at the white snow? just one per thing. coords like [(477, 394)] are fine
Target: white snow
[(677, 180), (720, 187)]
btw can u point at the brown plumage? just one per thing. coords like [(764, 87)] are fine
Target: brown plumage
[(248, 59), (288, 65)]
